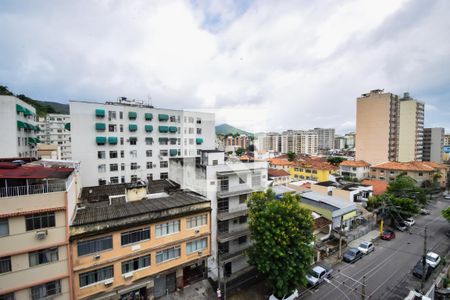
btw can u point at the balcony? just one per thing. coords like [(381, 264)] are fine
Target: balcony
[(234, 191), (223, 237), (223, 216), (14, 191)]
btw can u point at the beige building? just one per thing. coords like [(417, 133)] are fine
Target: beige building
[(446, 139), (51, 151), (55, 130), (37, 203), (433, 144), (411, 129), (300, 142)]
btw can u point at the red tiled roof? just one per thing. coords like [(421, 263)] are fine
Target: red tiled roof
[(414, 166), (315, 164), (29, 171), (379, 186), (28, 212), (277, 173), (280, 162), (354, 163)]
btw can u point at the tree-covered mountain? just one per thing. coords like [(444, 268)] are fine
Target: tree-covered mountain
[(225, 129)]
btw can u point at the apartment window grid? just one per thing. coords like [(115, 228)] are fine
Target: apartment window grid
[(44, 256), (42, 220), (134, 236), (197, 245), (113, 167), (112, 154), (46, 290), (168, 254), (163, 164), (149, 165), (223, 183), (95, 276), (9, 296), (148, 153), (197, 221), (167, 228), (136, 264), (164, 152), (5, 264), (95, 245)]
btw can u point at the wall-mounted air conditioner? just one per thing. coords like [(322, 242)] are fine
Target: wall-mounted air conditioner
[(128, 275), (41, 234), (97, 256), (109, 281), (197, 231)]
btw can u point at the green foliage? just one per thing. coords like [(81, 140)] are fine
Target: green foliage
[(4, 91), (335, 160), (446, 213), (251, 148), (240, 151), (282, 234), (393, 206), (291, 156), (404, 186)]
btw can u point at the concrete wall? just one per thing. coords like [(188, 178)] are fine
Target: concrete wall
[(433, 144), (408, 131)]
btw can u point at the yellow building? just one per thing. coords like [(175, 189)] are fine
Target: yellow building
[(312, 169), (127, 246)]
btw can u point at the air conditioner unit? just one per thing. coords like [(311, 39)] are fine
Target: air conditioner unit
[(200, 253), (128, 275), (97, 256), (41, 234), (109, 281), (197, 231)]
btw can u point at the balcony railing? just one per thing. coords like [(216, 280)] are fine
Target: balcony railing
[(14, 191)]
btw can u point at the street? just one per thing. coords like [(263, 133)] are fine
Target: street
[(388, 270)]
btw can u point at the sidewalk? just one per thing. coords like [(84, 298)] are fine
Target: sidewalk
[(369, 237), (201, 290)]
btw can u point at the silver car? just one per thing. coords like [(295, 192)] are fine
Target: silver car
[(366, 247)]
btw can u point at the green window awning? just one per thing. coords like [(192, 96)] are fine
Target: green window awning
[(27, 112), (133, 138), (173, 129), (163, 128), (20, 108), (112, 140), (148, 128), (173, 140), (36, 128), (31, 140), (132, 115), (163, 140), (100, 126), (101, 140), (20, 124), (163, 117), (132, 127), (199, 141), (37, 140), (148, 116), (173, 152), (67, 126), (99, 112)]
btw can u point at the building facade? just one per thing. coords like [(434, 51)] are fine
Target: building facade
[(325, 138), (55, 129), (339, 142), (125, 141), (411, 129), (270, 141), (447, 140), (311, 169), (127, 244), (354, 169), (18, 119), (300, 142), (227, 185), (350, 140), (433, 144), (232, 143), (37, 207)]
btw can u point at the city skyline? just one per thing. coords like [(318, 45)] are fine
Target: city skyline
[(260, 66)]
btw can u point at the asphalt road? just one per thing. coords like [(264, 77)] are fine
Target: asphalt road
[(388, 270)]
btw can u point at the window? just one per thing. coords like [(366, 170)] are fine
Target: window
[(167, 228), (121, 140), (133, 141), (196, 246), (18, 141), (191, 130), (148, 153), (45, 290), (420, 174), (95, 245), (112, 154), (101, 181), (43, 256), (112, 128), (163, 164), (102, 168), (223, 183), (164, 176), (37, 221), (199, 131), (173, 119), (135, 236), (95, 276), (242, 219), (199, 121), (121, 127), (122, 167), (168, 254), (114, 180), (241, 180), (149, 177), (222, 205), (149, 165), (163, 152), (122, 178), (256, 179), (134, 166), (9, 296), (113, 167), (133, 154), (122, 154), (133, 178), (4, 227), (101, 154), (135, 264), (149, 141), (197, 221), (242, 240), (242, 199), (5, 264), (111, 115), (215, 162), (121, 115)]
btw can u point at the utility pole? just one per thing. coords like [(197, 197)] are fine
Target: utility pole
[(340, 238), (424, 263), (363, 288)]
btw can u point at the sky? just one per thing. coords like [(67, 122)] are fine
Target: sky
[(259, 65)]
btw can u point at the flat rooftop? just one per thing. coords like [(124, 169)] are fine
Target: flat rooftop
[(325, 201), (9, 170)]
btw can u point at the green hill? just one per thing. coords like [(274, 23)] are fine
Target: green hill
[(225, 129)]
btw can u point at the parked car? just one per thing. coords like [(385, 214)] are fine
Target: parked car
[(424, 211), (447, 196), (418, 270), (433, 259), (366, 247), (401, 226), (292, 296), (410, 221), (317, 275), (352, 255), (388, 234)]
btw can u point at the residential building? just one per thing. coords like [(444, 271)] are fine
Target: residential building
[(264, 155), (447, 140), (126, 240), (379, 187), (433, 144), (227, 184), (37, 205), (55, 130), (339, 142), (270, 141), (352, 192), (419, 171), (411, 129), (350, 139), (52, 151), (446, 154), (300, 142), (325, 138), (278, 177), (124, 141), (354, 169), (280, 164), (312, 169), (377, 127), (19, 134), (232, 143)]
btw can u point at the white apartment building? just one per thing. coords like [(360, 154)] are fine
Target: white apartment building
[(433, 144), (350, 139), (300, 142), (270, 141), (325, 138), (18, 123), (37, 207), (227, 184), (124, 141), (339, 142), (55, 129)]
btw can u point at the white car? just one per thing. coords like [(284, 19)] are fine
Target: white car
[(447, 196), (366, 247), (293, 296), (433, 259), (409, 221)]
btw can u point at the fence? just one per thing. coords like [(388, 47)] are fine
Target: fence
[(361, 230), (14, 191)]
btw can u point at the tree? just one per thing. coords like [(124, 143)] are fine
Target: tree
[(397, 208), (4, 91), (404, 186), (251, 148), (446, 213), (281, 231), (291, 156), (335, 160), (239, 151)]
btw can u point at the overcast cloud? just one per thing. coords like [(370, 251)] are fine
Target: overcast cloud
[(260, 65)]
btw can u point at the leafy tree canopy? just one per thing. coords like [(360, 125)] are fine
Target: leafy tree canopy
[(335, 160), (404, 186), (251, 148), (291, 156), (240, 151), (41, 109), (282, 234), (446, 213)]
